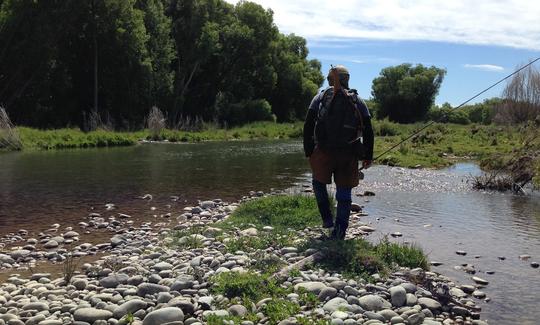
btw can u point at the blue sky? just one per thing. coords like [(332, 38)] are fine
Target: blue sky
[(477, 42), (470, 68)]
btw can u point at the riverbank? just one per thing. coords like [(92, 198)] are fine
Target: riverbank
[(438, 146), (220, 263), (33, 139)]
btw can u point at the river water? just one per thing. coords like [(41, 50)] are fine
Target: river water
[(435, 209)]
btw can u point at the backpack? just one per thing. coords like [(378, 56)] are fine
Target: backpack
[(339, 123)]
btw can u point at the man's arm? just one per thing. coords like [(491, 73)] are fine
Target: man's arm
[(309, 126), (368, 136)]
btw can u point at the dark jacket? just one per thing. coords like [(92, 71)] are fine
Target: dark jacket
[(311, 119)]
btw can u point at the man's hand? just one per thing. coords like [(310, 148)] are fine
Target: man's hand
[(366, 164)]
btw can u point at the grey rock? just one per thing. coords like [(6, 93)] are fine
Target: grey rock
[(313, 287), (112, 281), (416, 319), (480, 280), (429, 303), (164, 315), (39, 306), (150, 289), (90, 315), (398, 296), (130, 306), (335, 304), (372, 302), (327, 292), (238, 310)]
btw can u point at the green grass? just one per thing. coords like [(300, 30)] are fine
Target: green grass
[(434, 146), (249, 285), (250, 243), (282, 212), (34, 139), (360, 258)]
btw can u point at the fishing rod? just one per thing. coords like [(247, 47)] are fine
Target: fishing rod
[(456, 108)]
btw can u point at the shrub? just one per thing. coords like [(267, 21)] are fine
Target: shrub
[(155, 123), (245, 111), (249, 285), (9, 137), (386, 128)]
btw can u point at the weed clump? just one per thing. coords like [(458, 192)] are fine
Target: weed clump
[(281, 212)]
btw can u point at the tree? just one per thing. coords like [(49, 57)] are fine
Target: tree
[(404, 93), (521, 98)]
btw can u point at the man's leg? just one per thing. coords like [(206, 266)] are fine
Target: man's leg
[(343, 197), (321, 194)]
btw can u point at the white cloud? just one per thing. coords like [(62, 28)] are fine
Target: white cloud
[(511, 23), (484, 67)]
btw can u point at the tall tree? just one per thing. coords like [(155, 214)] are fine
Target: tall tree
[(404, 93)]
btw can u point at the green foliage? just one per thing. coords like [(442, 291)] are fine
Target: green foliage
[(178, 55), (358, 257), (279, 309), (262, 241), (245, 111), (74, 138), (447, 114), (386, 128), (187, 238), (354, 257), (404, 93), (281, 212), (247, 285), (406, 255)]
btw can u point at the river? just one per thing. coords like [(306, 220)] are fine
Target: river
[(435, 209)]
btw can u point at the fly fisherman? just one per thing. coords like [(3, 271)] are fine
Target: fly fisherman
[(337, 134)]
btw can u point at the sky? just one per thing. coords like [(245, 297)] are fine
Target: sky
[(477, 42)]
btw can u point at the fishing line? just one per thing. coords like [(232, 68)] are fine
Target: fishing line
[(456, 108)]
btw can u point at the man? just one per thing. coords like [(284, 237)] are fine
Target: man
[(337, 133)]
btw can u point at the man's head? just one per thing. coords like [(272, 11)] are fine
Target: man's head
[(343, 74)]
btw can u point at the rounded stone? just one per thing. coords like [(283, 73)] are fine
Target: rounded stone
[(90, 315), (164, 315), (372, 302), (398, 296)]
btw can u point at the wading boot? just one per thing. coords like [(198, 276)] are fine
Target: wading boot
[(323, 203), (342, 219)]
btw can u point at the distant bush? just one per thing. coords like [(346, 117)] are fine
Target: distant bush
[(244, 112), (447, 114), (386, 128)]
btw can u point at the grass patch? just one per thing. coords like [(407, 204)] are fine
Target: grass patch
[(358, 257), (282, 212), (251, 243), (406, 255), (187, 238), (279, 309), (437, 145), (248, 285), (70, 138)]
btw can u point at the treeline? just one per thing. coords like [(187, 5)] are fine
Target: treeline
[(406, 94), (66, 62)]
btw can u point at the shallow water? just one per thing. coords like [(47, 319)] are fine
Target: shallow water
[(435, 208)]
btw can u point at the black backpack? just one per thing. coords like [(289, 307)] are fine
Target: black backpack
[(339, 122)]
